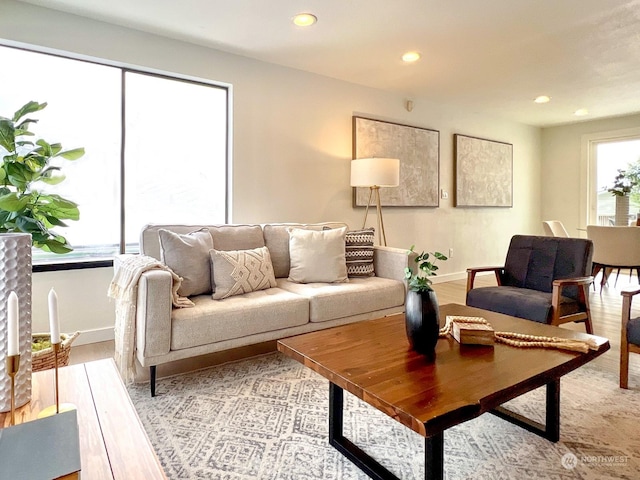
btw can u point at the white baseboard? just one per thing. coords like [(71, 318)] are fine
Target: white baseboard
[(95, 335), (449, 277)]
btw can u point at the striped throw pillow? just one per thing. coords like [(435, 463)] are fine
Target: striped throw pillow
[(359, 252)]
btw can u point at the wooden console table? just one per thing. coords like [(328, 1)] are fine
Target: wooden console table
[(113, 443)]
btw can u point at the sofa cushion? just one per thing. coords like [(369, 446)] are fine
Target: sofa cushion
[(188, 256), (234, 317), (328, 301), (359, 252), (241, 271), (276, 238), (236, 237), (519, 302), (317, 256)]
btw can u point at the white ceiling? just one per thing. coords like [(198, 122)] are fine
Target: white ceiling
[(489, 56)]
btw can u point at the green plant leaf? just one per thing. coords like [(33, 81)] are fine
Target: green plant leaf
[(55, 222), (74, 154), (24, 125), (3, 174), (29, 225), (45, 148), (58, 207), (11, 202), (18, 175), (56, 246), (27, 108), (20, 132), (7, 135), (52, 180)]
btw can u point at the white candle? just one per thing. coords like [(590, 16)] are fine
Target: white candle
[(53, 317), (13, 331)]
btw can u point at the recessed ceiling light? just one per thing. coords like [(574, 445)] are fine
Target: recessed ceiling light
[(581, 112), (410, 57), (305, 19), (542, 99)]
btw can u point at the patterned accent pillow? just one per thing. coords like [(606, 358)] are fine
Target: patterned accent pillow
[(359, 252), (241, 271)]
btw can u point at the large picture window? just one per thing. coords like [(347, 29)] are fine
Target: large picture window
[(156, 147)]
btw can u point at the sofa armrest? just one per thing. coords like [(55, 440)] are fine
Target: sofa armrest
[(390, 262), (153, 314)]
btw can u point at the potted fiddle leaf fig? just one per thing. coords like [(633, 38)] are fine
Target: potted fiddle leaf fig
[(26, 163), (422, 316)]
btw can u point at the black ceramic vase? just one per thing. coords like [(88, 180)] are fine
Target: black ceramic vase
[(422, 320)]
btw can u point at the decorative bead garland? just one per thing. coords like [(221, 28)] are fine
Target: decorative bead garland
[(523, 340)]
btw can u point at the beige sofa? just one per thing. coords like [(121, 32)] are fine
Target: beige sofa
[(166, 334)]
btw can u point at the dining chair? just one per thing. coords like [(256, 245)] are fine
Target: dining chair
[(554, 228), (614, 248), (543, 279), (629, 335)]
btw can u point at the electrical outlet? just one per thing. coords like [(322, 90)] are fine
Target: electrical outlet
[(444, 193), (450, 252)]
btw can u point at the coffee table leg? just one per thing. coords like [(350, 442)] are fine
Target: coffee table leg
[(434, 457), (551, 429), (434, 446)]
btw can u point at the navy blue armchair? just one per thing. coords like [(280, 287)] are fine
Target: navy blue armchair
[(544, 279)]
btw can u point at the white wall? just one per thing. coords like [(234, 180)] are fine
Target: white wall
[(561, 161), (292, 146)]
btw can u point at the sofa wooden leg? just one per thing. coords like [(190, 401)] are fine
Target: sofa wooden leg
[(152, 379)]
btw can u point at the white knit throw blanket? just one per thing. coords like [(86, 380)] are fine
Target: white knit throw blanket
[(124, 289)]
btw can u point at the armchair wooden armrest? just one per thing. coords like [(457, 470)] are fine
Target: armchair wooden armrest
[(625, 346), (630, 292), (472, 272), (565, 282), (583, 298)]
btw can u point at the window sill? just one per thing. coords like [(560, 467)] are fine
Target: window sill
[(70, 265)]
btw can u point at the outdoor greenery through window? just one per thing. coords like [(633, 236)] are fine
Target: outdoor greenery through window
[(614, 158), (156, 147)]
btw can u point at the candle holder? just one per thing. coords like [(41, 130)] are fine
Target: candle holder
[(13, 365), (57, 407)]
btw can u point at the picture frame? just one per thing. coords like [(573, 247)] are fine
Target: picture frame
[(418, 150), (483, 172)]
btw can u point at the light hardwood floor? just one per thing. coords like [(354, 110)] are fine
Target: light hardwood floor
[(605, 308)]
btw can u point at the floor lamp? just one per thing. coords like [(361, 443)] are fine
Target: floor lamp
[(375, 173)]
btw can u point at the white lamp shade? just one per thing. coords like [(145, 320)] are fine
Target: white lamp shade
[(381, 172)]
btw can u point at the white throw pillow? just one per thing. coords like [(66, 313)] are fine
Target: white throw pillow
[(188, 256), (317, 255), (241, 271)]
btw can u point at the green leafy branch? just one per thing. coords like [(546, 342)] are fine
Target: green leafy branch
[(24, 163), (420, 281)]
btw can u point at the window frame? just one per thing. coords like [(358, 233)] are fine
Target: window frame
[(51, 265), (588, 169)]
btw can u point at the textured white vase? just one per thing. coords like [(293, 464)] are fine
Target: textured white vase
[(622, 211), (15, 275)]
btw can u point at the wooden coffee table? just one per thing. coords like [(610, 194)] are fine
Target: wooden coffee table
[(372, 360)]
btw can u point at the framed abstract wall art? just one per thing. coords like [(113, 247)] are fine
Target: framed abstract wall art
[(419, 152), (484, 172)]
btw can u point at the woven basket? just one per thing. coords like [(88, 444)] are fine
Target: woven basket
[(45, 359)]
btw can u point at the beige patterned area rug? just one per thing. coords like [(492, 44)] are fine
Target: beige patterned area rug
[(266, 418)]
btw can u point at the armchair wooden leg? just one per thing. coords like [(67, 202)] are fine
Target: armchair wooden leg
[(624, 365)]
